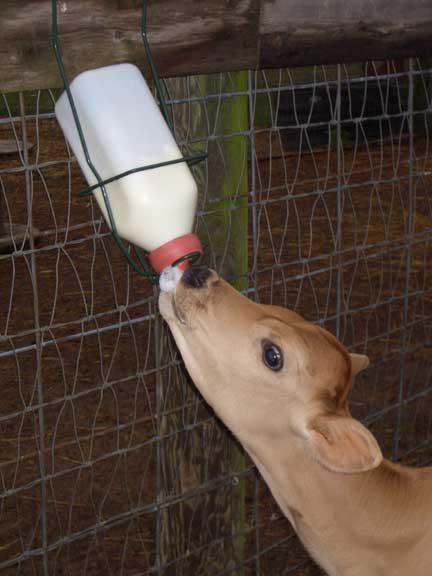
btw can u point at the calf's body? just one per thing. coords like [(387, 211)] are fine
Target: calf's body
[(364, 524), (281, 385)]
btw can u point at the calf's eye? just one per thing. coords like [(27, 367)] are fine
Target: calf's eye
[(272, 356)]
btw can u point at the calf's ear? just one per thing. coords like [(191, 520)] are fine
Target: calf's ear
[(342, 444), (358, 363)]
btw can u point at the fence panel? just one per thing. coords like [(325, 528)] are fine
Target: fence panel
[(316, 196)]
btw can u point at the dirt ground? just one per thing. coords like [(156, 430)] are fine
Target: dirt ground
[(81, 364)]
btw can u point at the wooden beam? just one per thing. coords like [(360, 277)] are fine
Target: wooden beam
[(195, 37), (306, 32), (187, 37)]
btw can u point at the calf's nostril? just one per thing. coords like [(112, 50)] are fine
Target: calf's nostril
[(196, 276)]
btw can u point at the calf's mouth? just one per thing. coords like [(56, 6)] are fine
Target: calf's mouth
[(181, 290)]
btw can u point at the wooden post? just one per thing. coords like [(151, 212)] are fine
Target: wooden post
[(198, 529), (229, 243)]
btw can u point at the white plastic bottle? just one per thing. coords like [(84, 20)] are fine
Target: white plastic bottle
[(124, 129)]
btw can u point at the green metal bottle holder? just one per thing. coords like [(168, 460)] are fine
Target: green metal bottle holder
[(139, 264)]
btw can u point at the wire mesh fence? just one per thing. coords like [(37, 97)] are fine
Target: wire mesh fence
[(315, 196)]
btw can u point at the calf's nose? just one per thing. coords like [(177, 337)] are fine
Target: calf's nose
[(196, 276)]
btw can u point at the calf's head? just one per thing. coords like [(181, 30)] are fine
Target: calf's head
[(268, 374)]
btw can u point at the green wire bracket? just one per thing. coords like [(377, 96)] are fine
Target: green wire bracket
[(139, 264), (189, 159)]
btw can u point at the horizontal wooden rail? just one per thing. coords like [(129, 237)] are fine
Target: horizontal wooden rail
[(206, 36)]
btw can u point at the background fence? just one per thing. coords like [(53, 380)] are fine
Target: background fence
[(315, 196)]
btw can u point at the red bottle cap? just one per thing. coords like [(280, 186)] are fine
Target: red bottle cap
[(172, 251)]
